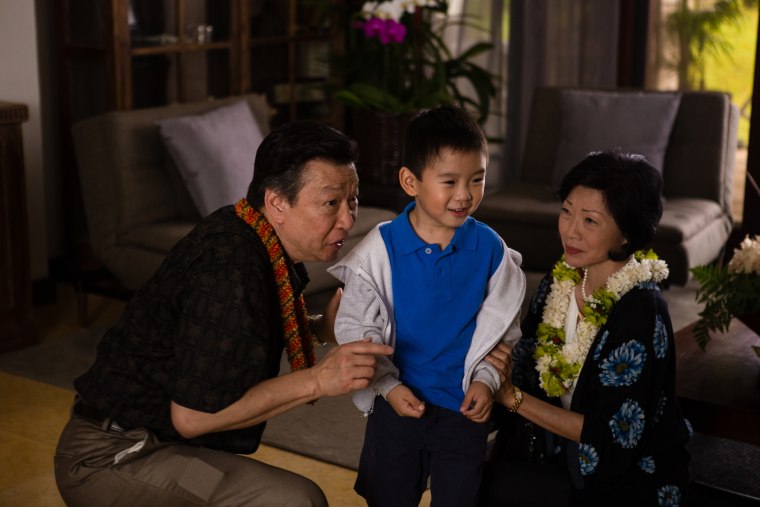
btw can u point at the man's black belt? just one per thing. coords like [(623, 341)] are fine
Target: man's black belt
[(89, 412)]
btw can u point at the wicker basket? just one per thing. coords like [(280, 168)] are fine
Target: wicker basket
[(380, 138)]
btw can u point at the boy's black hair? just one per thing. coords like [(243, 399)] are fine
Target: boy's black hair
[(284, 153), (432, 131), (632, 191)]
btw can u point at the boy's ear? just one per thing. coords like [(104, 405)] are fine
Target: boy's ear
[(408, 181)]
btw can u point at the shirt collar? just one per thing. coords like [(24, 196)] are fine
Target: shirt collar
[(465, 237)]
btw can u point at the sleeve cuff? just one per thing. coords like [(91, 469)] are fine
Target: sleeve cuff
[(384, 384), (489, 376)]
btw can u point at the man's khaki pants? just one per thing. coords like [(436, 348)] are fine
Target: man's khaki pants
[(96, 467)]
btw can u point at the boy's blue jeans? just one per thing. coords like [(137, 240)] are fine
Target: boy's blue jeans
[(400, 453)]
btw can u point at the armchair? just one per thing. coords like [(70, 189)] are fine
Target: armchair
[(137, 209), (697, 170)]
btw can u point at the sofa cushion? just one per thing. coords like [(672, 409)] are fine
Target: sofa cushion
[(158, 237), (214, 153), (162, 236), (596, 121), (684, 218), (153, 241), (524, 203), (704, 136)]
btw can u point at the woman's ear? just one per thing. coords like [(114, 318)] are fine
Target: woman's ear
[(408, 181)]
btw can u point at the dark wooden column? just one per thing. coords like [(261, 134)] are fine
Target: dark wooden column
[(632, 43), (16, 328), (751, 220)]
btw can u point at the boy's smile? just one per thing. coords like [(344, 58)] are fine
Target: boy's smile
[(449, 191)]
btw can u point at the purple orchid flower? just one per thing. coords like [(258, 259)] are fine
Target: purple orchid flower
[(395, 31), (386, 31)]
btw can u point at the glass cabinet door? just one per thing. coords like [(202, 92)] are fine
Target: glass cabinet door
[(289, 48), (130, 54), (180, 51)]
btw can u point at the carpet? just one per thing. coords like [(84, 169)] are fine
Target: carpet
[(725, 470), (57, 361), (331, 430)]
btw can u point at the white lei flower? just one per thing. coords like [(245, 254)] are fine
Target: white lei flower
[(559, 361)]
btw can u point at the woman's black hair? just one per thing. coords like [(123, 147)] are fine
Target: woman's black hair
[(632, 191), (284, 153)]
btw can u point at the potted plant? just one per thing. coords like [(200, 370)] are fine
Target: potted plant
[(728, 292), (396, 63), (397, 60)]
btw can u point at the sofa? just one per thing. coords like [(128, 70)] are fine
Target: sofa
[(137, 205), (695, 150)]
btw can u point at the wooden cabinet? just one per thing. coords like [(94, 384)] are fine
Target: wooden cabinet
[(129, 54), (288, 47), (16, 328)]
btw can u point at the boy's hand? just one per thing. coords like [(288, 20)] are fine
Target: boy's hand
[(477, 402), (405, 403)]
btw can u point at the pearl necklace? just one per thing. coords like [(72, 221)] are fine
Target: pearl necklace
[(559, 361), (583, 284)]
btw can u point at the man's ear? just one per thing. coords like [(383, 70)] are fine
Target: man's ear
[(274, 204), (408, 181)]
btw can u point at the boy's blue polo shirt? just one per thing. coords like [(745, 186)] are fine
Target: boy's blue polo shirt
[(436, 298)]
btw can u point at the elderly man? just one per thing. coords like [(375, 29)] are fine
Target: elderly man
[(185, 381)]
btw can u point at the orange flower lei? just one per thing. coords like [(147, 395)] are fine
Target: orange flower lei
[(295, 324)]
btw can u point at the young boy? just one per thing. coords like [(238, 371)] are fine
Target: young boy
[(443, 289)]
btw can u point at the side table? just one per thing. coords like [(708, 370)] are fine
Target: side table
[(719, 388)]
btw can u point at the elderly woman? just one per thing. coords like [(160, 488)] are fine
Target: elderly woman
[(597, 421)]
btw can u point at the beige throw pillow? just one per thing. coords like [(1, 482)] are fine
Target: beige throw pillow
[(214, 153)]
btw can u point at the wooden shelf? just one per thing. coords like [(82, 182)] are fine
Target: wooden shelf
[(111, 57)]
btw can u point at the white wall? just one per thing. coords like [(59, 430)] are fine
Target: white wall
[(19, 82)]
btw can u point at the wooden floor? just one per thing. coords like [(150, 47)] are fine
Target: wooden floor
[(34, 413)]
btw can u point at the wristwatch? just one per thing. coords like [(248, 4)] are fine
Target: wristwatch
[(518, 399)]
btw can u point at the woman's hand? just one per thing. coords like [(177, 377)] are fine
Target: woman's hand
[(501, 359), (505, 395)]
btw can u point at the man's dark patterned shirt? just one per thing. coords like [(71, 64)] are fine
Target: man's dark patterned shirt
[(204, 329)]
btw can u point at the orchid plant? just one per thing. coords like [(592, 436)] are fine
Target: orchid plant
[(397, 61)]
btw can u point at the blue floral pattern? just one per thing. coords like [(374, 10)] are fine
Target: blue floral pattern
[(600, 345), (669, 496), (660, 338), (689, 427), (627, 424), (588, 459), (647, 464), (620, 434), (624, 364)]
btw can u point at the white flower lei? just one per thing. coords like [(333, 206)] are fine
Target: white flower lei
[(559, 361)]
